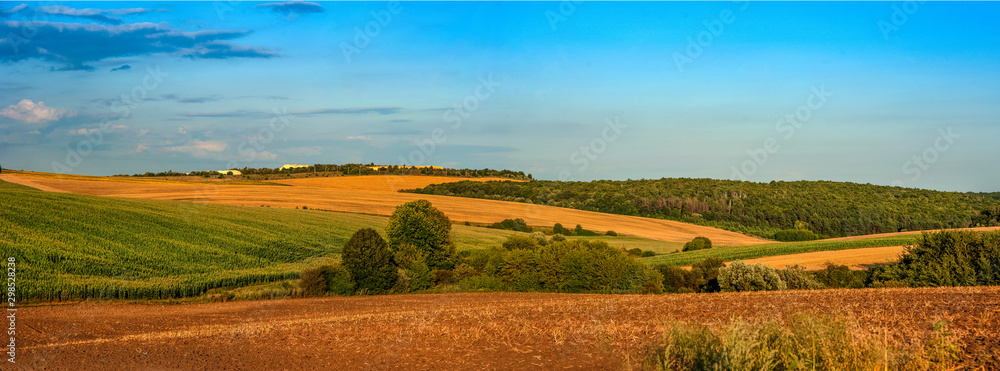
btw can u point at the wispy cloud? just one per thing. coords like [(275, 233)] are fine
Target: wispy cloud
[(99, 15), (349, 111), (197, 100), (75, 46), (305, 113), (6, 13), (292, 7), (238, 113), (200, 148)]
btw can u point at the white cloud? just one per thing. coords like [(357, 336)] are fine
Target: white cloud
[(364, 138), (34, 113), (200, 148), (143, 132), (303, 151), (83, 131), (265, 155), (139, 148), (34, 132)]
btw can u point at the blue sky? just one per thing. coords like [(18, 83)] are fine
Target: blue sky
[(884, 92)]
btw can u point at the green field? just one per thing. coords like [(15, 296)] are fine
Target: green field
[(73, 246), (774, 249)]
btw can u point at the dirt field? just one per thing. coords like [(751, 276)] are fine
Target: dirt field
[(377, 195), (459, 331), (853, 258)]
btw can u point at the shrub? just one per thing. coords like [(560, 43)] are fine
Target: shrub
[(540, 237), (635, 252), (421, 277), (481, 283), (675, 279), (579, 231), (647, 253), (792, 235), (795, 277), (698, 243), (840, 276), (611, 233), (420, 224), (740, 276), (368, 259), (514, 225), (558, 237), (312, 282), (520, 242), (558, 229), (338, 280), (463, 271), (412, 261), (702, 277), (444, 277)]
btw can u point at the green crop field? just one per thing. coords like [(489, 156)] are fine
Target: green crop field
[(71, 246), (775, 249)]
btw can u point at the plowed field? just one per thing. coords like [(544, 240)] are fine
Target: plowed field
[(462, 331)]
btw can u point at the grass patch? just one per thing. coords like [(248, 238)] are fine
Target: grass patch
[(780, 248)]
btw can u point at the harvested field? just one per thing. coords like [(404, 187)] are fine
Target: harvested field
[(348, 194), (380, 183), (853, 258), (464, 331), (893, 234)]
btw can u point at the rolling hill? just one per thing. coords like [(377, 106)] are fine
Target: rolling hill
[(834, 209), (377, 195)]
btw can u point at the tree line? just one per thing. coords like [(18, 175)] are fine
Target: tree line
[(349, 169), (833, 209)]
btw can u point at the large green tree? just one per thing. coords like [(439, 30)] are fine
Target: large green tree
[(420, 224), (368, 258)]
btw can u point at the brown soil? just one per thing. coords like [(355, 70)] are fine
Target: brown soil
[(377, 195), (461, 331)]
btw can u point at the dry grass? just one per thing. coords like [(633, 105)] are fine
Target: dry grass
[(471, 331), (853, 258), (349, 194)]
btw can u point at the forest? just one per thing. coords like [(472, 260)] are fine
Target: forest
[(833, 209)]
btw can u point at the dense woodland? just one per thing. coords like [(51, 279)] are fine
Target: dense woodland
[(827, 208)]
